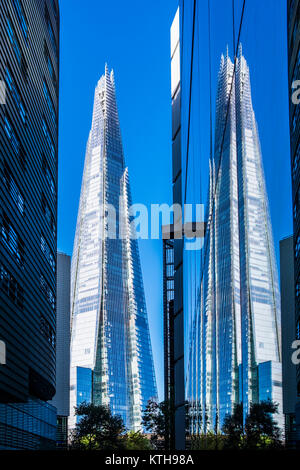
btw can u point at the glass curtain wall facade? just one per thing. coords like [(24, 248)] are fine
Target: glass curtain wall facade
[(238, 325), (29, 70), (293, 37), (228, 294), (110, 334)]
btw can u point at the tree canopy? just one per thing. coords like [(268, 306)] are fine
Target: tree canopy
[(97, 428)]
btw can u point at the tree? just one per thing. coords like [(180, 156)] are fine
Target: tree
[(261, 431), (208, 441), (97, 428), (155, 419), (136, 441), (233, 428)]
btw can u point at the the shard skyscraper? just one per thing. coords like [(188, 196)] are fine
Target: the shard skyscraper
[(235, 351), (111, 355)]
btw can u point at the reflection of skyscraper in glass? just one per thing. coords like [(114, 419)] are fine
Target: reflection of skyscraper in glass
[(111, 356), (235, 351)]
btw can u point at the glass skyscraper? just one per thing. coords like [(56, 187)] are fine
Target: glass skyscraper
[(111, 355), (293, 40), (29, 72), (235, 350)]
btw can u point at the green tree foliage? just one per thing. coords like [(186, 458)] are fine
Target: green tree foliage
[(154, 420), (260, 430), (233, 428), (97, 429), (157, 421), (209, 441), (136, 441)]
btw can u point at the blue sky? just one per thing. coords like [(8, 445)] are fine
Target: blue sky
[(133, 38)]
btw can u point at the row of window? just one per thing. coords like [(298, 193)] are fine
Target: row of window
[(11, 239), (15, 244), (47, 331), (48, 137), (12, 186), (295, 29), (19, 151), (16, 95), (51, 32), (16, 48), (11, 287), (21, 18), (48, 176), (20, 13), (297, 247), (48, 214), (46, 289), (296, 161), (12, 136), (50, 66), (12, 189), (49, 102), (47, 253)]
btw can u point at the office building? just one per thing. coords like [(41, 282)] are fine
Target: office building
[(61, 399), (177, 186), (168, 304), (288, 334), (236, 354), (29, 67), (111, 355), (293, 29)]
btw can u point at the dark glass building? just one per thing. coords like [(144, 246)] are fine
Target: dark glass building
[(227, 325), (29, 69), (288, 334), (168, 303), (293, 18)]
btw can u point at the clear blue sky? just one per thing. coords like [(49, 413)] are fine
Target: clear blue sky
[(133, 38)]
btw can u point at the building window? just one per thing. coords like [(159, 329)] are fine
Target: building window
[(11, 287), (48, 214), (17, 48), (11, 240), (297, 247), (12, 189), (46, 289), (48, 138), (21, 17), (16, 95), (14, 41), (47, 331), (48, 176), (50, 66), (298, 290), (12, 136), (296, 72), (49, 102), (47, 253), (54, 9), (296, 161), (51, 32)]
